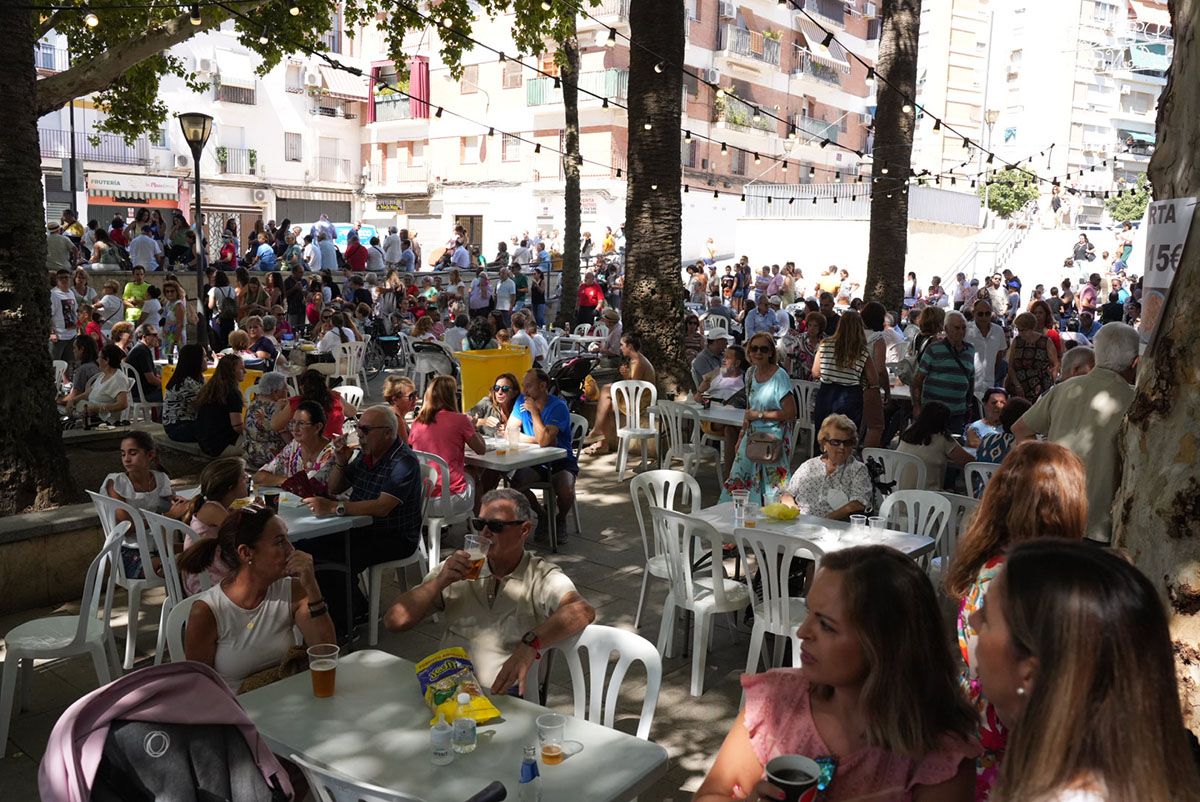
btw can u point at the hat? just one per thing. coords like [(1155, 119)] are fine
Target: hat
[(716, 334), (775, 300), (53, 227), (611, 315)]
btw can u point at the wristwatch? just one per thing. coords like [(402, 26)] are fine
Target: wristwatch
[(341, 509), (531, 640)]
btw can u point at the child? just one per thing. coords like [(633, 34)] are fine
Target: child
[(152, 307)]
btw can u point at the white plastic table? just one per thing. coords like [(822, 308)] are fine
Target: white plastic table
[(301, 523), (838, 534), (375, 728), (525, 455), (723, 414)]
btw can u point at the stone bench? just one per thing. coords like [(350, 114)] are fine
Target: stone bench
[(162, 441), (44, 556)]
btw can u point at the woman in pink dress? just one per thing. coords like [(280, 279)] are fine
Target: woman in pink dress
[(222, 482), (876, 702), (442, 430)]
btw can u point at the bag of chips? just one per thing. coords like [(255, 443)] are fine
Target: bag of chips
[(443, 676)]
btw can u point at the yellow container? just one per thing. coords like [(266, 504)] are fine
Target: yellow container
[(252, 376), (479, 370)]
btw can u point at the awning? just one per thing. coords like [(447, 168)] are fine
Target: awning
[(131, 187), (312, 194), (1150, 57), (1138, 137), (833, 56), (341, 84), (1152, 13)]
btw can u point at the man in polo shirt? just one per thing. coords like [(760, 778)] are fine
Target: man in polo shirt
[(546, 421), (710, 359), (517, 607), (946, 372), (384, 480), (134, 294)]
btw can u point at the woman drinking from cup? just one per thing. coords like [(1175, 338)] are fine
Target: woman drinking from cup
[(834, 485), (876, 698)]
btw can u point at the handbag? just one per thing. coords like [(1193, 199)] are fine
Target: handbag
[(764, 448)]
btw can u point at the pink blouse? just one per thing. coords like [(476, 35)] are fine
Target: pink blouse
[(447, 437), (779, 720), (218, 569)]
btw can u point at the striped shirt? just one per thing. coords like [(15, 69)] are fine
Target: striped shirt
[(949, 375), (832, 374)]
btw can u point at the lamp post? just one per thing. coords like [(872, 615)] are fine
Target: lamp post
[(990, 116), (196, 130)]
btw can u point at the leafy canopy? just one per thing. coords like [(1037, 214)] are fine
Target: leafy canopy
[(1131, 205), (1010, 190)]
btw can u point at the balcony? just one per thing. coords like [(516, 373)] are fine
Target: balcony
[(740, 116), (395, 177), (814, 129), (392, 107), (612, 84), (830, 12), (809, 67), (236, 161), (48, 58), (605, 12), (232, 93), (331, 169), (740, 43), (108, 148), (332, 108)]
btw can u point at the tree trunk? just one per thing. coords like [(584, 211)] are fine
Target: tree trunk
[(897, 66), (652, 304), (33, 465), (570, 258), (1156, 511)]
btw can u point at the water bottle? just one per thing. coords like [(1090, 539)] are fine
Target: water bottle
[(439, 742), (512, 432), (463, 737), (529, 788)]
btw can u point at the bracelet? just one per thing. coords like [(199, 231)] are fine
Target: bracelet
[(316, 603), (318, 613)]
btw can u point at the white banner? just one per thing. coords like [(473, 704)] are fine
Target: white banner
[(131, 184), (1167, 226)]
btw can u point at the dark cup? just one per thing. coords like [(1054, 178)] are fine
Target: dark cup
[(794, 775), (271, 499)]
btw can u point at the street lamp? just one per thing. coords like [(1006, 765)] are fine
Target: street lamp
[(196, 130), (990, 116)]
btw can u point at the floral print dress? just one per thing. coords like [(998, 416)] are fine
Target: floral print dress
[(746, 475), (993, 736)]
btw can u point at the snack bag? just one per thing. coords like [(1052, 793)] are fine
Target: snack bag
[(445, 674)]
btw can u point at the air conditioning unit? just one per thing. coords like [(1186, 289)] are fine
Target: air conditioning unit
[(259, 195), (312, 79), (726, 9), (712, 75), (207, 65), (182, 162)]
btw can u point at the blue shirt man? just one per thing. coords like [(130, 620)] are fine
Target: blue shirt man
[(760, 319), (267, 260), (407, 261), (546, 421), (543, 257)]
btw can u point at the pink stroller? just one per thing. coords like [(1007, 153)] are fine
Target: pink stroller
[(169, 732)]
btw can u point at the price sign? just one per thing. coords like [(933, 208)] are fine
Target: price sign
[(1167, 226)]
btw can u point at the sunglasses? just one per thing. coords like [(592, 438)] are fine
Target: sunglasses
[(831, 441), (983, 314), (761, 349), (492, 524), (501, 388)]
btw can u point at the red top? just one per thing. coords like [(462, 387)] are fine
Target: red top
[(1055, 338), (356, 256), (118, 238), (590, 295), (333, 419), (447, 437)]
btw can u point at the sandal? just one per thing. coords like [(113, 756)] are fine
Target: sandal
[(596, 449)]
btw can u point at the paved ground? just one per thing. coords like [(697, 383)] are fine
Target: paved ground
[(605, 563)]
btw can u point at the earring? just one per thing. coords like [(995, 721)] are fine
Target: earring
[(1020, 691), (251, 562)]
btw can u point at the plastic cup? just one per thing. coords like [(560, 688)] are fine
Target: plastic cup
[(858, 520), (270, 497), (741, 499), (552, 729), (477, 549), (793, 774), (322, 665), (877, 522)]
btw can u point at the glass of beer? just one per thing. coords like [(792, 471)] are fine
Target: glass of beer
[(476, 548), (322, 664), (552, 728)]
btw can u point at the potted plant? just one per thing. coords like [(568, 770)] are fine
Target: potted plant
[(222, 155), (772, 34), (252, 157)]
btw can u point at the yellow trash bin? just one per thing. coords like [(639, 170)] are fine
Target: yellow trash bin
[(252, 376), (479, 369)]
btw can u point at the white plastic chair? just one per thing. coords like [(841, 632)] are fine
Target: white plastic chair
[(446, 509), (107, 509), (166, 532), (716, 322), (582, 330), (248, 395), (982, 471), (176, 625), (919, 512), (906, 470), (350, 394), (778, 612), (704, 596), (579, 432), (348, 362), (136, 409), (331, 786), (688, 449), (629, 423), (601, 642), (660, 489), (806, 397), (62, 636), (961, 510), (599, 330), (60, 373), (419, 558)]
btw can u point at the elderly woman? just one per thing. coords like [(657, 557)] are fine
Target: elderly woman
[(244, 624), (833, 485), (1032, 359), (108, 393), (400, 394), (310, 451), (262, 441), (805, 352), (994, 401)]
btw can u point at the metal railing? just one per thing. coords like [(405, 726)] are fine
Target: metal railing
[(108, 148), (231, 93), (50, 58), (609, 8), (812, 128), (854, 203), (391, 174), (332, 41), (392, 107), (328, 168), (334, 109), (740, 114), (611, 83), (750, 44), (831, 11), (237, 161), (807, 65)]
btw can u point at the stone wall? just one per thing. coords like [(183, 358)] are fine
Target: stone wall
[(44, 556)]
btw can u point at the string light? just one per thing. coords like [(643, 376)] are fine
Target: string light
[(828, 40), (687, 136), (724, 148), (262, 40), (648, 126), (195, 15), (537, 148), (294, 10), (906, 108), (658, 68), (757, 160), (545, 5), (438, 113), (612, 38), (91, 20)]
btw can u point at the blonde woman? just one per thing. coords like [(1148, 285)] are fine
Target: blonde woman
[(843, 365), (400, 394)]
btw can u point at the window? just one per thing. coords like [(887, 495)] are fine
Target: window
[(333, 37), (689, 154), (469, 149), (294, 78), (691, 82), (512, 74), (510, 149), (469, 83), (232, 93), (547, 64), (737, 164), (292, 147), (158, 139)]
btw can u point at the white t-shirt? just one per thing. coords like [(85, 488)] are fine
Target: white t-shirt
[(143, 252), (331, 340), (454, 338), (506, 291), (312, 256), (375, 258), (152, 311), (105, 391), (64, 313), (391, 248), (524, 340), (986, 349), (157, 499), (540, 346), (109, 315)]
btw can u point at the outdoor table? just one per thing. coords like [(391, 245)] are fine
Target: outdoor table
[(723, 414), (375, 729), (579, 342), (525, 455), (167, 371), (838, 534)]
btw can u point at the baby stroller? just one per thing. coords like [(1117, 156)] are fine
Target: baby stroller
[(171, 731), (567, 377)]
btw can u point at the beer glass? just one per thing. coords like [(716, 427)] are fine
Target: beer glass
[(476, 548), (322, 664), (551, 727)]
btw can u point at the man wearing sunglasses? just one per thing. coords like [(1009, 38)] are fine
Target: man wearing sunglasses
[(518, 605), (546, 421)]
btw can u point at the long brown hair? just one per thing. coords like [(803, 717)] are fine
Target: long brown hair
[(243, 527), (222, 384), (911, 695), (442, 393), (1104, 706), (1039, 491), (849, 341), (218, 478)]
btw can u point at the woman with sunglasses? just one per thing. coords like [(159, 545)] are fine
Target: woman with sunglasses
[(834, 485), (770, 410), (491, 413), (401, 396), (310, 451)]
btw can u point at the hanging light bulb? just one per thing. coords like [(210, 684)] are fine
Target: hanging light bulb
[(91, 20), (828, 40), (814, 200), (294, 10), (611, 41), (618, 172), (906, 108), (837, 178), (648, 126), (966, 143), (537, 148), (769, 199), (686, 188), (757, 160), (824, 143), (835, 198), (557, 82), (870, 77), (262, 40), (438, 113), (884, 168), (687, 136), (654, 187), (937, 124), (756, 116), (447, 23), (716, 194), (604, 104), (545, 5), (791, 200), (812, 171), (720, 92), (724, 148), (658, 68), (785, 166), (743, 197), (195, 15), (991, 157), (502, 58)]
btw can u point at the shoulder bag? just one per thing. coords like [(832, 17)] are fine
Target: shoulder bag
[(762, 448)]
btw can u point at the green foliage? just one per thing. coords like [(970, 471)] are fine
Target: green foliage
[(1132, 203), (1010, 190)]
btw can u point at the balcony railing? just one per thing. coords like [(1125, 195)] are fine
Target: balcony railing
[(237, 161), (232, 93), (740, 115), (108, 148), (390, 174), (50, 58), (612, 84), (609, 8), (392, 107), (749, 44), (830, 11), (807, 65), (326, 109), (332, 42), (328, 168), (817, 130)]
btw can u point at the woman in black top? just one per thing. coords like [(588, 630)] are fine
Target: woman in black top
[(219, 407), (537, 296)]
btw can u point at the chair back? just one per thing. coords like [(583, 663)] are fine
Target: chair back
[(331, 786), (716, 322), (676, 537), (579, 430), (595, 691), (248, 395), (774, 554), (961, 510), (350, 394), (107, 508), (166, 532), (176, 625), (918, 512), (348, 358), (600, 330), (806, 399), (135, 380), (60, 372), (582, 330), (93, 583), (978, 474), (627, 403), (906, 470), (683, 441), (408, 355), (660, 488)]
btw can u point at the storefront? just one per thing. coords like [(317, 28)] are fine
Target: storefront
[(122, 194), (307, 206)]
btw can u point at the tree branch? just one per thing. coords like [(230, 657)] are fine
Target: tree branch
[(97, 73), (44, 27)]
